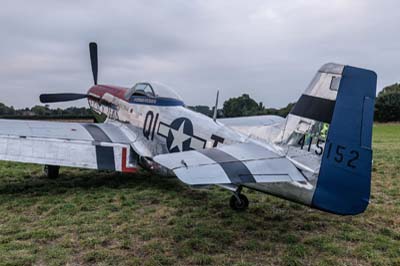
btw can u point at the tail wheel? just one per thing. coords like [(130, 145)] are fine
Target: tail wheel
[(51, 171), (239, 202)]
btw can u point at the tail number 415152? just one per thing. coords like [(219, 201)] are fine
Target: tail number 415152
[(338, 153)]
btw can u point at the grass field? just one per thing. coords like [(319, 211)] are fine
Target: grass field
[(85, 217)]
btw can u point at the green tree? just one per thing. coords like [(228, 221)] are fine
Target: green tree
[(387, 105), (40, 110), (285, 110), (204, 109), (5, 110), (242, 106)]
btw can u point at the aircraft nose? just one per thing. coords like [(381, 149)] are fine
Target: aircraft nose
[(98, 91)]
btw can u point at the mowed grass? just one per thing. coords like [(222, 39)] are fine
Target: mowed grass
[(86, 217)]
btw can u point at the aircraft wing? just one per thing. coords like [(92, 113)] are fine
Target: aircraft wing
[(86, 145), (231, 164), (251, 121)]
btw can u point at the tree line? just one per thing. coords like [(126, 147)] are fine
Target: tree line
[(44, 111), (387, 104), (243, 105), (387, 108)]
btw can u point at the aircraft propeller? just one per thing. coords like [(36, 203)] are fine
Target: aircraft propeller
[(61, 97), (93, 60), (64, 97)]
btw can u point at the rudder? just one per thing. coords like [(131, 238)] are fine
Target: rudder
[(344, 181)]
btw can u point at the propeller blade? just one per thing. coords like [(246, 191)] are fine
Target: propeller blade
[(93, 60), (61, 97)]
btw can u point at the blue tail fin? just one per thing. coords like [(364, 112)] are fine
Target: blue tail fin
[(344, 180)]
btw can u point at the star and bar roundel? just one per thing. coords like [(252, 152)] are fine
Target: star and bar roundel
[(179, 135)]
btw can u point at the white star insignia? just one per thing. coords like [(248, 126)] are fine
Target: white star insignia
[(179, 137)]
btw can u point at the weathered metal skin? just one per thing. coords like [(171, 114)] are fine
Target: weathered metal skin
[(279, 135), (134, 114), (284, 136)]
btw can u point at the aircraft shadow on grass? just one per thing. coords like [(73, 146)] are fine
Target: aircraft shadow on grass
[(39, 184), (277, 212)]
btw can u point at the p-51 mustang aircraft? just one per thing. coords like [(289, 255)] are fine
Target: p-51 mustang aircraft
[(319, 155)]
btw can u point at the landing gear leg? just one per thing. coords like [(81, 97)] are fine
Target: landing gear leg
[(238, 201), (51, 171)]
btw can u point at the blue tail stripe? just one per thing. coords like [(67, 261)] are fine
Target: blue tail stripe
[(344, 180), (367, 120)]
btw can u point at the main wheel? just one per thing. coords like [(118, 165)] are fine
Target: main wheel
[(239, 204), (51, 171)]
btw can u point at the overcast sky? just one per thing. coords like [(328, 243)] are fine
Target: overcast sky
[(269, 49)]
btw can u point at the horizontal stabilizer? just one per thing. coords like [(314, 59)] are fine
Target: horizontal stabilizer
[(230, 164)]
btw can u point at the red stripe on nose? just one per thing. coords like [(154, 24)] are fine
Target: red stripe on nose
[(100, 90)]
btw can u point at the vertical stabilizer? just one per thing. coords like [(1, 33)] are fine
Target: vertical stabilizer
[(344, 180), (328, 136)]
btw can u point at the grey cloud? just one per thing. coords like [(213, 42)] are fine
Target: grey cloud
[(269, 49)]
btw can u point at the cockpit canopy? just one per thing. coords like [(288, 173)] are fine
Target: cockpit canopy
[(153, 90)]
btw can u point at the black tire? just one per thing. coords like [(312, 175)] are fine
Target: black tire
[(51, 171), (239, 205)]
